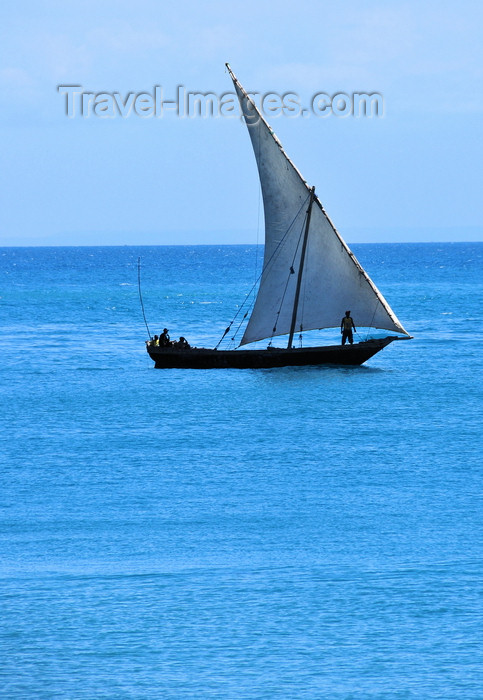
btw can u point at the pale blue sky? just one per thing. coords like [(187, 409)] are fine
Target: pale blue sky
[(414, 174)]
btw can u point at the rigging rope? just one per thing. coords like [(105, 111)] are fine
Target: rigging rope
[(378, 301), (141, 298), (291, 272), (265, 267), (259, 203)]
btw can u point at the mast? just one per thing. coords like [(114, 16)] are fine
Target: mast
[(301, 269)]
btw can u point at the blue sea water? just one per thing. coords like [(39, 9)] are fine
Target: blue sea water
[(236, 534)]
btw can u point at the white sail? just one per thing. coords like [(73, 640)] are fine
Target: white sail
[(332, 281)]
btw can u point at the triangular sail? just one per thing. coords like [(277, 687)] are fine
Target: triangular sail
[(333, 280)]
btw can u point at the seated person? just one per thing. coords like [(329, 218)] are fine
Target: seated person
[(182, 344)]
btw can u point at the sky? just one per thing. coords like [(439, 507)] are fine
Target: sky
[(410, 174)]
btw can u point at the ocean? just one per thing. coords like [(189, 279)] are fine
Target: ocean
[(311, 532)]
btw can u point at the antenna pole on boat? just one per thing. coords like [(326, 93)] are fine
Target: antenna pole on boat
[(301, 269), (141, 298)]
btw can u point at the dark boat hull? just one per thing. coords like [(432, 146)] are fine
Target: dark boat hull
[(204, 358)]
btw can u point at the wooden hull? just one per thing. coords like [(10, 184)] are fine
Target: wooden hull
[(204, 358)]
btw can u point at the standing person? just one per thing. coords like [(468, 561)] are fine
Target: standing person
[(164, 341), (346, 326)]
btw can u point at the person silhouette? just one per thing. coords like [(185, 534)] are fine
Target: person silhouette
[(164, 340), (346, 326)]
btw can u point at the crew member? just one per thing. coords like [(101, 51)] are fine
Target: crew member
[(346, 326), (164, 341), (182, 344)]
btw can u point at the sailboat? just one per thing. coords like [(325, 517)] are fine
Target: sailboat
[(309, 278)]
